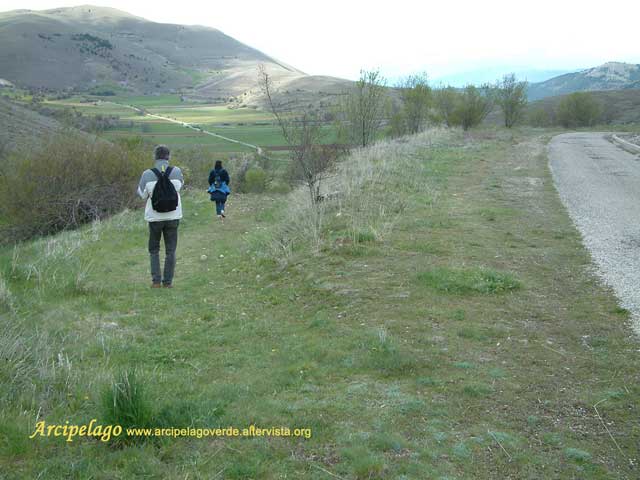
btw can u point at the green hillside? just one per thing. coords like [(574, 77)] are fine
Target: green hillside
[(451, 330), (618, 106), (20, 127)]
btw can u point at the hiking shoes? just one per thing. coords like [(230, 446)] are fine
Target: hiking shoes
[(156, 285)]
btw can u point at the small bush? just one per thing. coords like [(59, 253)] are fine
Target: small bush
[(365, 237), (255, 181), (477, 390), (577, 455), (363, 463), (125, 402), (386, 357), (278, 188), (460, 450), (469, 281)]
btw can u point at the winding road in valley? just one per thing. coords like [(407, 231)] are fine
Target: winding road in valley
[(599, 183)]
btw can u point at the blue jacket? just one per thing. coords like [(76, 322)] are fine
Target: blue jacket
[(224, 177)]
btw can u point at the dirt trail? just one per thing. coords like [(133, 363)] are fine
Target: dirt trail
[(192, 127), (599, 183)]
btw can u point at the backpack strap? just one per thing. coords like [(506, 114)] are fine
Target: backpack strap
[(167, 172)]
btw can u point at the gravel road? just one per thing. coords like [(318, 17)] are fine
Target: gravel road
[(599, 183)]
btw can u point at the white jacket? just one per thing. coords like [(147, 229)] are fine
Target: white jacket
[(146, 185)]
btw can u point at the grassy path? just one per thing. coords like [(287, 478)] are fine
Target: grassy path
[(473, 343)]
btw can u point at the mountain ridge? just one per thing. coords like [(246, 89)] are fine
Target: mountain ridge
[(605, 77), (85, 47)]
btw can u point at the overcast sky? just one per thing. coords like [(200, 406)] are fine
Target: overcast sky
[(338, 37)]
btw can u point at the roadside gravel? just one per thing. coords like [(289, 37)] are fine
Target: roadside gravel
[(599, 184)]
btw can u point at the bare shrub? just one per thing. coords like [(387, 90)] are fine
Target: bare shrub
[(364, 109), (302, 131)]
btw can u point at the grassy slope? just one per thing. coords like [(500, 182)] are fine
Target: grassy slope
[(19, 126), (395, 377)]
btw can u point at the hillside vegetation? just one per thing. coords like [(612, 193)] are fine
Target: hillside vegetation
[(617, 107), (109, 51), (440, 321), (20, 127)]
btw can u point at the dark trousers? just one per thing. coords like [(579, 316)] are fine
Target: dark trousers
[(169, 230), (220, 206)]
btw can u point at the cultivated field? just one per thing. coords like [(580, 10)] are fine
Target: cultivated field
[(244, 124)]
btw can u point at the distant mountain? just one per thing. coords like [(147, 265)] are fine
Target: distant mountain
[(102, 48), (491, 75), (610, 76)]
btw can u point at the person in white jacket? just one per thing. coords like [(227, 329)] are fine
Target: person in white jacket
[(161, 224)]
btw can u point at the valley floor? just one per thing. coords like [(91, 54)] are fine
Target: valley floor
[(474, 341)]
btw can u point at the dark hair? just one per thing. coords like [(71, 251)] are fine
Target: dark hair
[(218, 164), (161, 152)]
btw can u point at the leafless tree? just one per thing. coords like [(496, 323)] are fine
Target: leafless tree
[(303, 131)]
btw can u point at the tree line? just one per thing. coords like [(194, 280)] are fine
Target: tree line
[(373, 109), (411, 104)]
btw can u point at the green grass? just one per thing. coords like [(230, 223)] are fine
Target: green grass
[(469, 281), (459, 374), (244, 124), (211, 113), (124, 402)]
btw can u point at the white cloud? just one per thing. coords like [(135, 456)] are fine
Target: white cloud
[(338, 37)]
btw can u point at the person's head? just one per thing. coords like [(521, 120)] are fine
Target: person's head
[(161, 152), (218, 164)]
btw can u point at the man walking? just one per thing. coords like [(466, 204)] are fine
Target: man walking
[(160, 186)]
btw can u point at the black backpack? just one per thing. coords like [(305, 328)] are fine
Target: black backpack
[(165, 196)]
